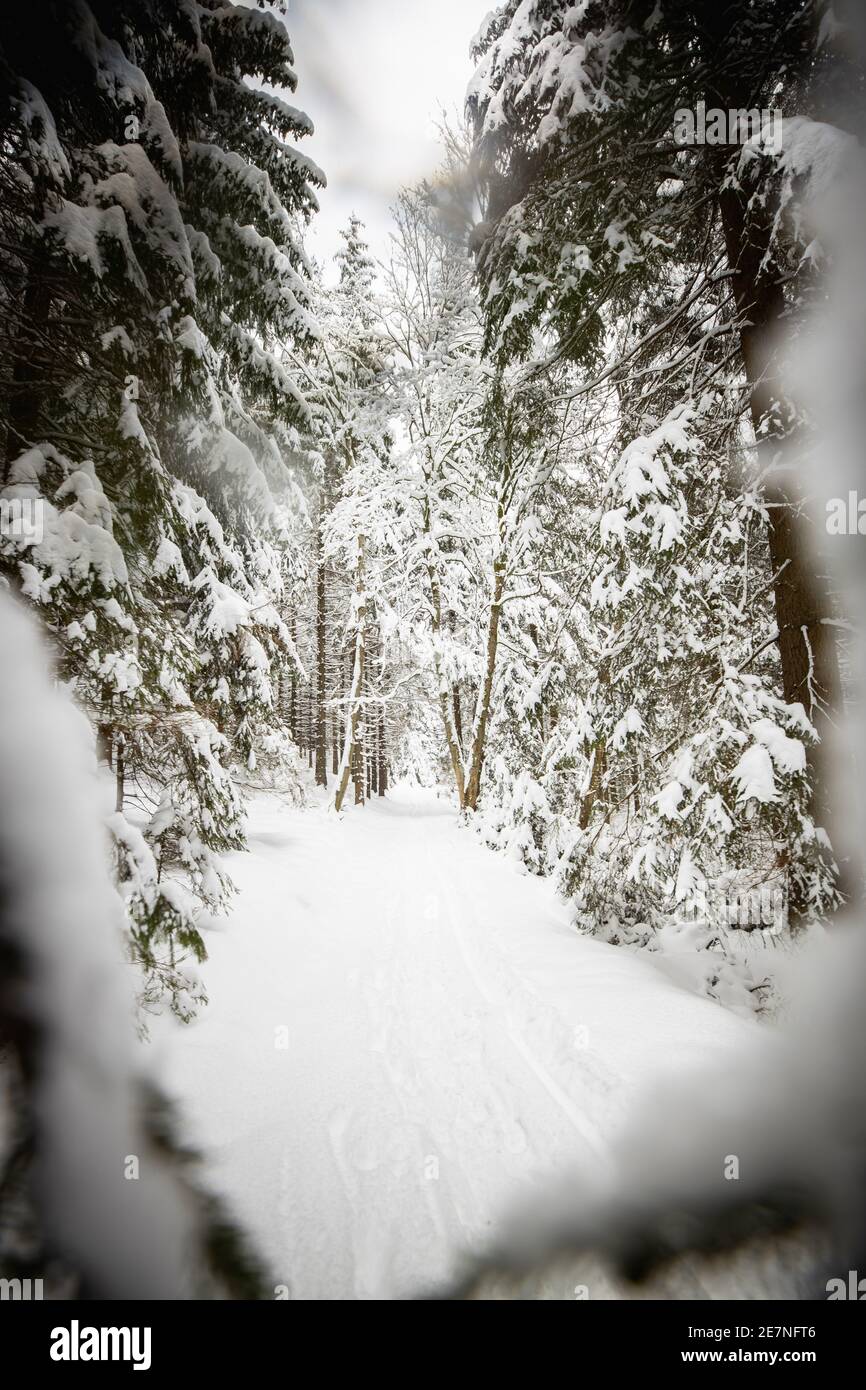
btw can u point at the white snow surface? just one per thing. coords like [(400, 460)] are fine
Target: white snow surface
[(406, 1040)]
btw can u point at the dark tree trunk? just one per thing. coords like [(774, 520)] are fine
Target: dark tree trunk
[(590, 798), (28, 376), (351, 762), (293, 687), (807, 646), (360, 745), (804, 611), (382, 752), (104, 743), (321, 668), (479, 736), (120, 773), (455, 700)]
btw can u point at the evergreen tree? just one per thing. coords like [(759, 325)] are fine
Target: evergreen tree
[(151, 263), (350, 407), (598, 212)]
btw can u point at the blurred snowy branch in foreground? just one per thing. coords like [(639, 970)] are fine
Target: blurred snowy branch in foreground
[(77, 1123)]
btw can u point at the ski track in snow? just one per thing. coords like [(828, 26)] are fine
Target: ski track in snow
[(452, 1044)]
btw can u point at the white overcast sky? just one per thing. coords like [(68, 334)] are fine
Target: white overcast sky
[(373, 76)]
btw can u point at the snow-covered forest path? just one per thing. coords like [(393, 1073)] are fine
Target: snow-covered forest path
[(404, 1037)]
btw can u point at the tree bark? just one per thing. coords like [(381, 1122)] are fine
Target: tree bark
[(104, 742), (321, 663), (382, 774), (482, 714), (455, 700), (591, 795), (353, 717), (119, 773), (360, 745), (293, 684), (27, 380), (443, 688)]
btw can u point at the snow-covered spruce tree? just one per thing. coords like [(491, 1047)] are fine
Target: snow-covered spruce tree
[(151, 256), (642, 753), (595, 205), (344, 352), (697, 767), (350, 407), (531, 799)]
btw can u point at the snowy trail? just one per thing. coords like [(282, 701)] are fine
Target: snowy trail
[(404, 1037)]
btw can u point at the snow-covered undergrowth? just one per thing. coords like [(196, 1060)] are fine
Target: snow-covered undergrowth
[(734, 945)]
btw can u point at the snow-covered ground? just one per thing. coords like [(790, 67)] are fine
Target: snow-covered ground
[(405, 1037)]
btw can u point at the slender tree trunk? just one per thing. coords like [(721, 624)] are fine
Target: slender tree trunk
[(293, 684), (353, 716), (371, 720), (119, 772), (443, 688), (104, 741), (455, 701), (358, 774), (482, 713), (311, 723), (321, 665), (382, 774), (590, 797), (29, 375), (346, 686), (360, 744), (442, 685)]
